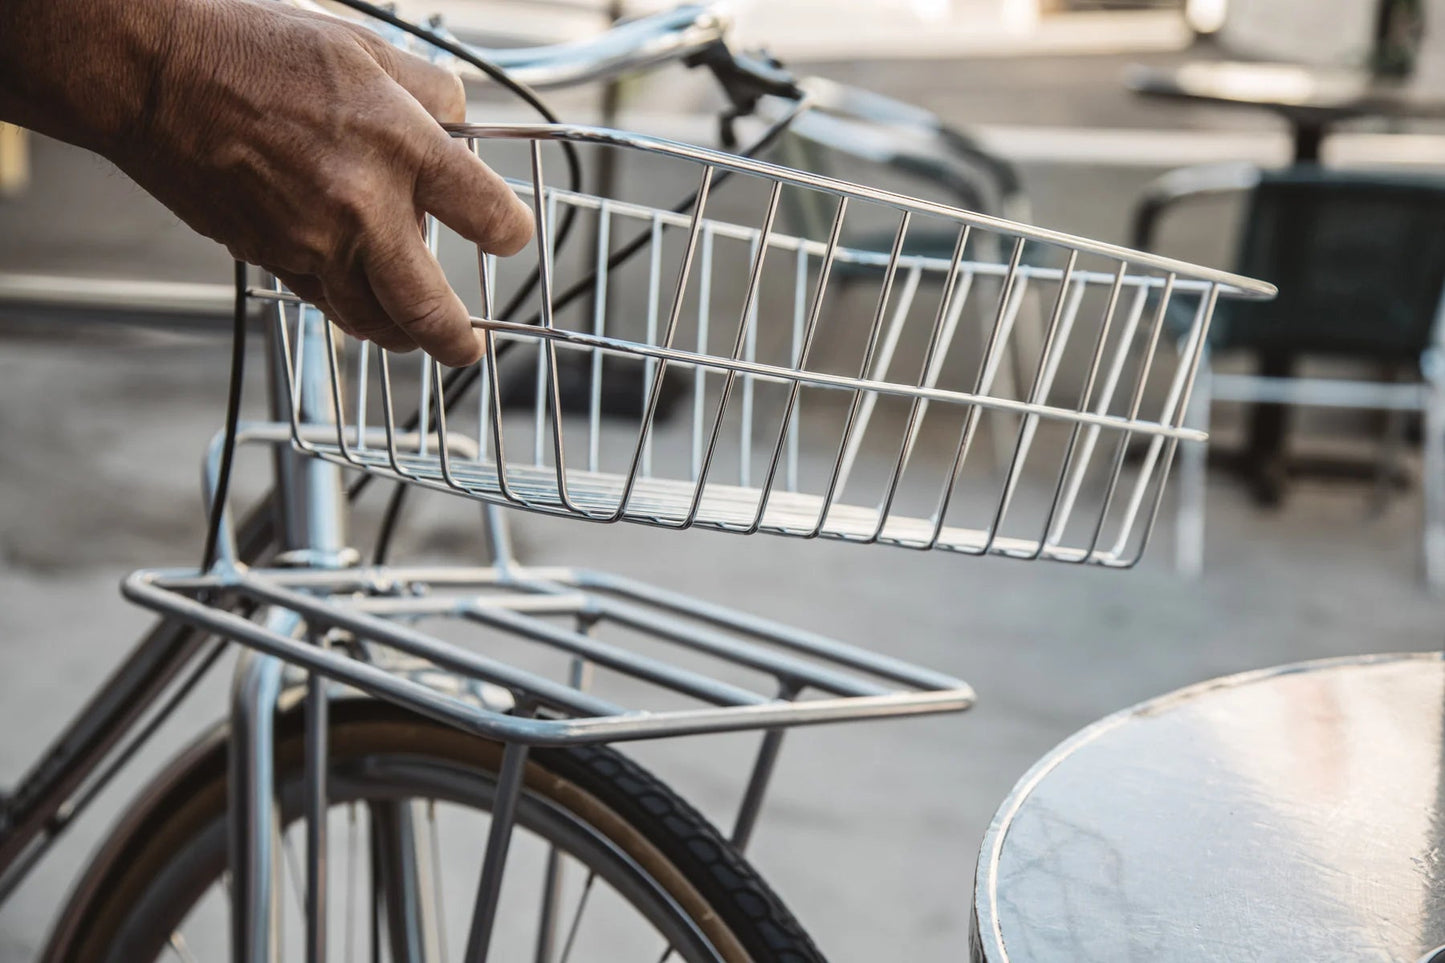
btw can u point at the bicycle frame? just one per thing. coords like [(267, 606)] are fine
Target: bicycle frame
[(308, 502)]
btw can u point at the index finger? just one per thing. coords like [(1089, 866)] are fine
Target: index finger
[(470, 198), (412, 289)]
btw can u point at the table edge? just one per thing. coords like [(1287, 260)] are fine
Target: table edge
[(987, 936)]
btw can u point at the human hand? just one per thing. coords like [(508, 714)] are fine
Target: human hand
[(306, 145)]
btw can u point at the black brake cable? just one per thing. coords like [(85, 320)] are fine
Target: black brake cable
[(233, 417)]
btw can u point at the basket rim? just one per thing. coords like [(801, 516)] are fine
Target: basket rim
[(1231, 285)]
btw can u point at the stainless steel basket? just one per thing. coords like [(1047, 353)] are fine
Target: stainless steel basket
[(796, 355)]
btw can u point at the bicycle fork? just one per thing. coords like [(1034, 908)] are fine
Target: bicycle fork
[(312, 508)]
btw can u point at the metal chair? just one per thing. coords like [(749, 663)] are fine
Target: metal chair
[(1359, 259)]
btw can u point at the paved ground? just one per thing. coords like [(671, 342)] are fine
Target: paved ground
[(872, 832)]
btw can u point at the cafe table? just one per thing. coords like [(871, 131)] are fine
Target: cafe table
[(1290, 814)]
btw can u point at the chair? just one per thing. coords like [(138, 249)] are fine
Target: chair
[(1359, 259)]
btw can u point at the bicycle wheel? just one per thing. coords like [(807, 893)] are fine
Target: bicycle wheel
[(157, 888)]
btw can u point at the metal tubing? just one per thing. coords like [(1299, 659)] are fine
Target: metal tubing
[(731, 367), (615, 725), (745, 324), (618, 659), (1234, 284), (255, 841), (316, 810), (32, 812), (918, 407), (317, 485), (407, 895), (799, 640), (499, 839), (762, 775), (417, 643), (547, 351), (1055, 522), (788, 422), (790, 671), (1121, 448), (841, 466), (654, 395)]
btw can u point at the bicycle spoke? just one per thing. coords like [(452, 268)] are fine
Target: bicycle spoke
[(438, 898), (404, 884), (551, 894), (351, 877), (577, 917), (182, 951), (666, 954), (374, 866), (294, 871)]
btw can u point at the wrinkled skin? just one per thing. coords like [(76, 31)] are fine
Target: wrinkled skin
[(303, 143)]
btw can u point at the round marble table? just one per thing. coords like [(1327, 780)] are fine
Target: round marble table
[(1291, 814)]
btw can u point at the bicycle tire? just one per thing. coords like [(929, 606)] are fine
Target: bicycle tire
[(170, 849)]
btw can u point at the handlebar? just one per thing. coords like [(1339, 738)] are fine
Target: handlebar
[(857, 122), (631, 46)]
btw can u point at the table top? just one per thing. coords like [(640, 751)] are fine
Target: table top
[(1291, 814), (1304, 93)]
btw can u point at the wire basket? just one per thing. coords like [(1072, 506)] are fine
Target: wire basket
[(790, 354)]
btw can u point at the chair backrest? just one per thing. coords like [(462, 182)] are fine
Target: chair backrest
[(1359, 259)]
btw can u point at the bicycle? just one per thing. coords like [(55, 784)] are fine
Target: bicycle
[(447, 724)]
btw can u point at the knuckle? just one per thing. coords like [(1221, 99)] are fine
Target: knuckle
[(429, 319), (312, 243), (371, 45), (434, 326), (452, 105), (351, 195), (379, 331), (434, 154)]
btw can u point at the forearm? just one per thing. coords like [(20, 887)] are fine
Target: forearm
[(84, 71)]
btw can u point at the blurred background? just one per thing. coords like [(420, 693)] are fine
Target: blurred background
[(1187, 127)]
